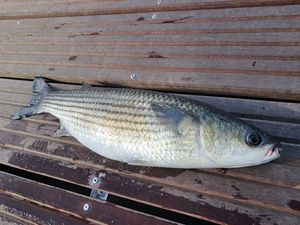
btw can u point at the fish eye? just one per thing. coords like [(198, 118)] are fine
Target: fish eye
[(253, 139)]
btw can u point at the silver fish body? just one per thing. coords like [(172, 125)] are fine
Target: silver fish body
[(154, 129)]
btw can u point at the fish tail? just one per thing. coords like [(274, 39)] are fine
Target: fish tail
[(39, 90)]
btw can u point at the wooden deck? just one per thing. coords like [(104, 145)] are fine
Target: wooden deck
[(240, 56)]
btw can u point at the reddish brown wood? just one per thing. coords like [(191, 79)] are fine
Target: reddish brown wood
[(238, 48), (72, 203), (34, 213), (193, 204), (6, 219), (108, 8)]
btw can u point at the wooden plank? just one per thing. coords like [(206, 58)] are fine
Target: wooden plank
[(227, 30), (207, 81), (162, 65), (33, 213), (207, 207), (232, 18), (71, 203), (9, 220), (272, 16), (64, 53), (63, 9), (249, 55)]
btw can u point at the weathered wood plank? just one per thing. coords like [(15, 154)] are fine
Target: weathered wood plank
[(34, 213), (236, 72), (207, 207), (249, 55), (10, 11), (162, 65), (72, 203), (171, 38), (168, 21), (208, 32), (247, 15), (197, 82), (6, 219)]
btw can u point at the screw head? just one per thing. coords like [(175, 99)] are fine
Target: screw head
[(159, 2), (26, 10), (132, 76), (95, 180), (19, 22), (154, 16), (86, 207)]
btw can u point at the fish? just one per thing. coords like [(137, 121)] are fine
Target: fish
[(148, 128)]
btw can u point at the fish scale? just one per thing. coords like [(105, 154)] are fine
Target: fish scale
[(150, 128), (122, 120)]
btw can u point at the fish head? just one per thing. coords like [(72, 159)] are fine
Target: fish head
[(230, 143)]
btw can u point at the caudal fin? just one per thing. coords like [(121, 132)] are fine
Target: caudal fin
[(39, 89)]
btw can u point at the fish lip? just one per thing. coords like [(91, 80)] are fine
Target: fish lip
[(275, 148)]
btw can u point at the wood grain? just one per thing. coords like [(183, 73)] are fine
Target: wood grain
[(240, 56), (249, 52), (10, 11), (208, 209), (71, 203), (7, 219), (33, 213)]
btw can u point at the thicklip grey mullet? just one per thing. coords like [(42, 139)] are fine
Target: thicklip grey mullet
[(148, 128)]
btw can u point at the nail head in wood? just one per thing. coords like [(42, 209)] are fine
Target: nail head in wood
[(95, 180), (86, 207), (132, 76)]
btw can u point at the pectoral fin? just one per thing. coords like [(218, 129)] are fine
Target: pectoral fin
[(174, 117), (61, 132)]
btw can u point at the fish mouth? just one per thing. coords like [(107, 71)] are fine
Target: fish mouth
[(275, 150)]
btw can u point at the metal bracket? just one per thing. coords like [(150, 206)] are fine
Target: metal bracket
[(101, 195)]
